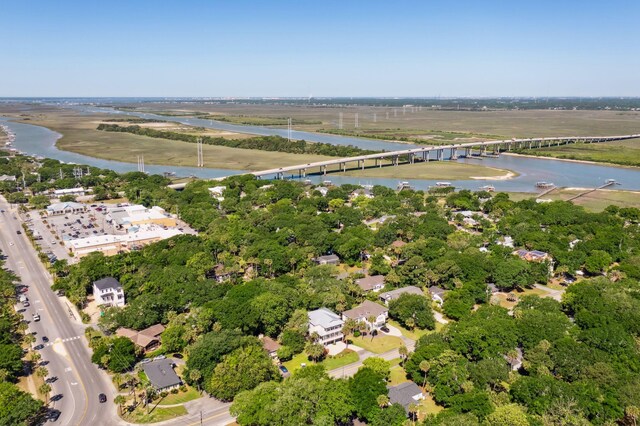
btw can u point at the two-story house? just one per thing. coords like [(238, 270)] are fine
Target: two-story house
[(327, 325), (365, 310), (108, 292)]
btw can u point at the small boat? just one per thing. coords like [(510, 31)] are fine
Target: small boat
[(443, 184), (308, 182), (327, 183), (488, 188), (404, 185), (544, 185)]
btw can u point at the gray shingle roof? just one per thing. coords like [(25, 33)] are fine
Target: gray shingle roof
[(404, 394), (161, 374), (107, 283)]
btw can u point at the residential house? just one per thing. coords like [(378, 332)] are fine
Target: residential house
[(216, 192), (366, 309), (108, 292), (71, 207), (322, 190), (373, 283), (7, 178), (327, 324), (147, 339), (271, 346), (492, 288), (398, 244), (394, 294), (361, 192), (161, 375), (533, 255), (437, 294), (221, 274), (329, 259), (405, 394)]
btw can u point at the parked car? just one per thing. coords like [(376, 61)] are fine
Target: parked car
[(102, 398), (18, 232), (384, 328)]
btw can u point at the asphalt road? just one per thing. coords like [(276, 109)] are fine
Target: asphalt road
[(67, 356)]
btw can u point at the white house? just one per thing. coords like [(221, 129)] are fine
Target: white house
[(108, 292), (216, 192), (327, 324), (366, 309)]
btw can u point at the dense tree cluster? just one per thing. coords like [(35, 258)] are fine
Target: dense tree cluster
[(263, 143), (576, 361)]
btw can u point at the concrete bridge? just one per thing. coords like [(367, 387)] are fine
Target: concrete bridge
[(430, 153)]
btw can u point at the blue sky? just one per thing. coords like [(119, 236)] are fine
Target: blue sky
[(320, 48)]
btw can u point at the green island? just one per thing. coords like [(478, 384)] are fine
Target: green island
[(426, 137), (544, 335)]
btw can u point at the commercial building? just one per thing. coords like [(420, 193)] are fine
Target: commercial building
[(108, 292), (76, 192), (110, 245), (70, 207), (125, 217), (327, 325)]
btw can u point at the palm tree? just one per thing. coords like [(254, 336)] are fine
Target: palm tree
[(413, 410), (117, 380), (425, 366), (44, 389), (42, 372), (315, 351), (314, 337), (404, 353), (633, 413), (349, 327), (195, 375), (371, 319), (382, 400), (411, 323), (120, 400)]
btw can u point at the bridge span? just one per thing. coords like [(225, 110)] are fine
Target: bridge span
[(431, 153)]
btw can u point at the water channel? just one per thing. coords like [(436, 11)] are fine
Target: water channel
[(40, 141)]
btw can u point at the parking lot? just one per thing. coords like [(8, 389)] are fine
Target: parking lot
[(55, 230)]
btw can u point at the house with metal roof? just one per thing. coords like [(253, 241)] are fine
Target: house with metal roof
[(326, 324)]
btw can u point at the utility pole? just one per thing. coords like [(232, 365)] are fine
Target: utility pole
[(375, 118), (340, 121), (289, 129), (356, 123)]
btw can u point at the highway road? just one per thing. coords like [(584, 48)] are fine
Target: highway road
[(67, 356)]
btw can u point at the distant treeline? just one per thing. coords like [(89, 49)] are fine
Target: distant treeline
[(264, 143), (136, 120)]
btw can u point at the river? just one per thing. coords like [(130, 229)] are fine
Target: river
[(40, 141)]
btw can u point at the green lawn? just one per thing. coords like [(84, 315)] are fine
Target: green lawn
[(180, 397), (398, 375), (344, 358), (159, 414), (428, 406), (379, 344), (414, 334)]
